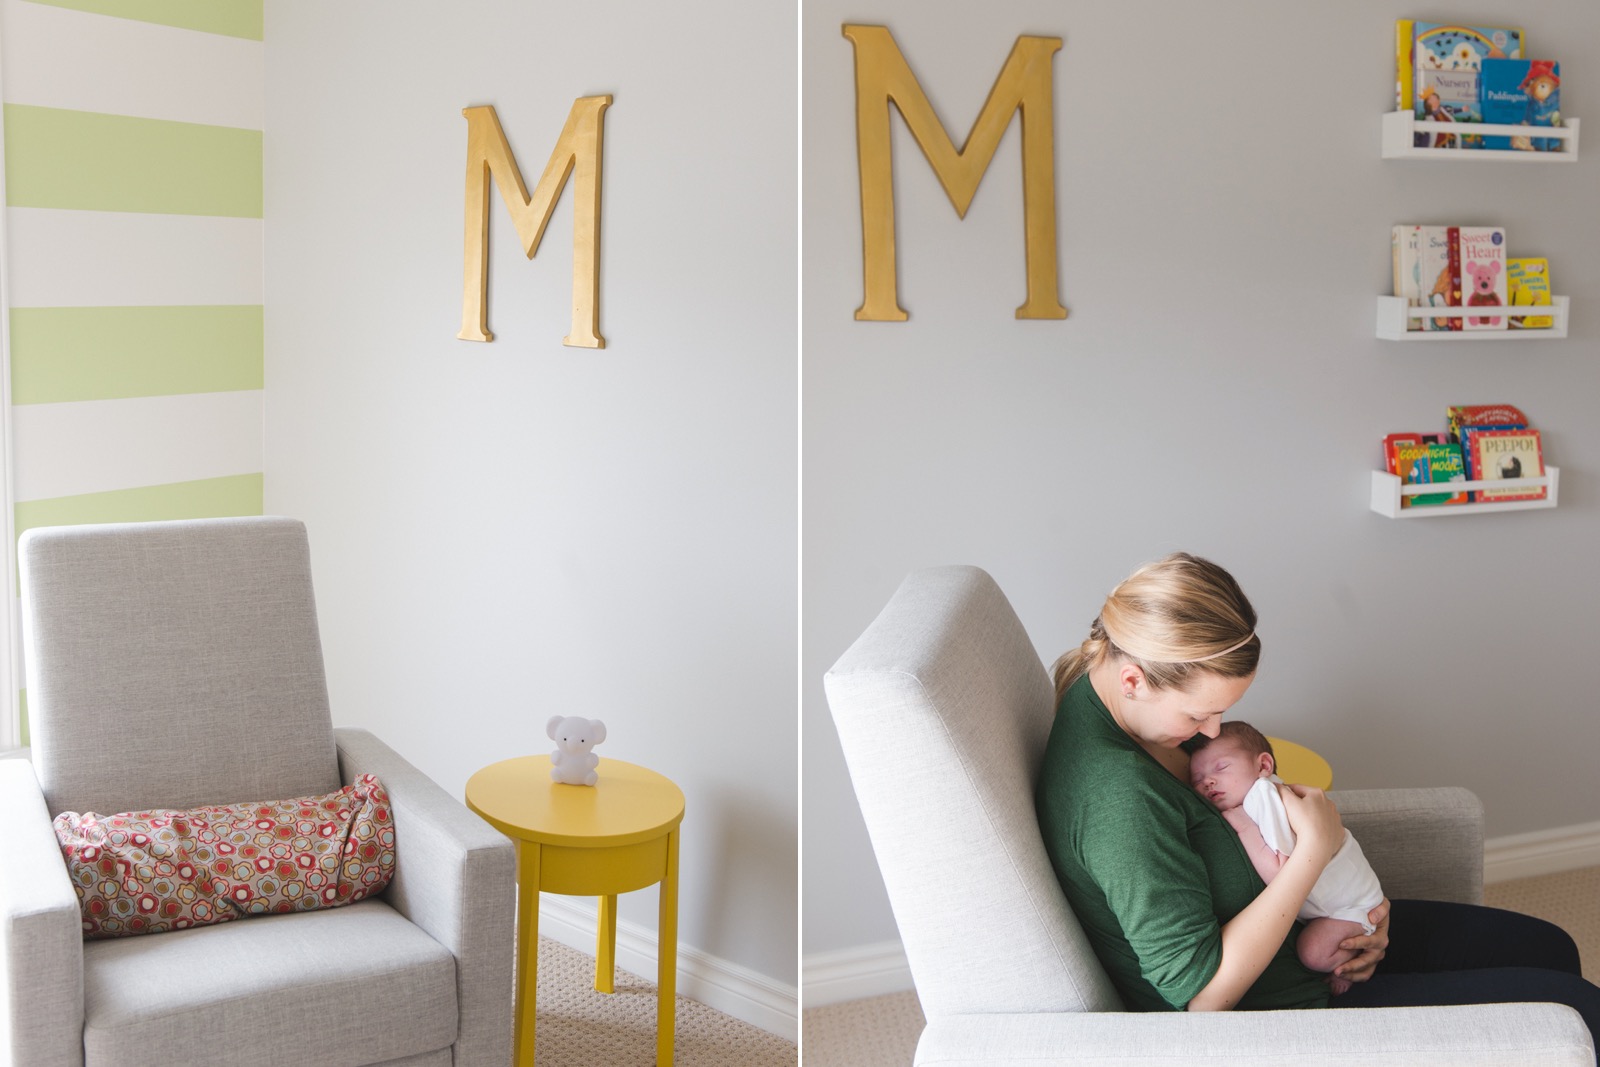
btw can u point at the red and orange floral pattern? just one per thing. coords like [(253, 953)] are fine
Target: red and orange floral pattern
[(144, 872)]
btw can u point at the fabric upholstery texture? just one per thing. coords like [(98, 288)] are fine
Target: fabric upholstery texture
[(455, 877), (943, 708), (946, 707), (345, 985), (146, 872), (41, 942), (175, 666), (147, 643)]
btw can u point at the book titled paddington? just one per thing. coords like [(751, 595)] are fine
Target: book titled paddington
[(1521, 92)]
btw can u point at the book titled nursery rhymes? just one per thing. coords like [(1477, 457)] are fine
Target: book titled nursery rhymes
[(1446, 61), (1483, 275), (1528, 285), (1425, 46), (1500, 454)]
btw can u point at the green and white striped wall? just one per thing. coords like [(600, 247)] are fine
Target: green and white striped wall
[(134, 242)]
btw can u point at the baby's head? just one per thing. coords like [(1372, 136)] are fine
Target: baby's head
[(1225, 767)]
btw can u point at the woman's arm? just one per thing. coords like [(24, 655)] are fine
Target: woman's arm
[(1251, 938), (1267, 860)]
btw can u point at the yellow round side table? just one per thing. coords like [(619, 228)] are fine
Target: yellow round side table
[(616, 836), (1298, 764)]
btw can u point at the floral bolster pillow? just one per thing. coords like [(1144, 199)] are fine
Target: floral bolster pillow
[(144, 872)]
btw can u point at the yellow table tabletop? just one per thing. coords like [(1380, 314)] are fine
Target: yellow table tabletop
[(629, 804), (1298, 764), (615, 836)]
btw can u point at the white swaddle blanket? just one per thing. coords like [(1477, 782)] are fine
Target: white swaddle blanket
[(1348, 888)]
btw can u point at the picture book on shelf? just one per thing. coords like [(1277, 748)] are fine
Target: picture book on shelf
[(1446, 60), (1501, 454), (1482, 251), (1459, 415), (1499, 43), (1424, 463), (1521, 92), (1440, 285), (1424, 458), (1406, 249), (1528, 285)]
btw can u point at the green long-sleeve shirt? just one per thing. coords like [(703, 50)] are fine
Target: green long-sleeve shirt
[(1151, 870)]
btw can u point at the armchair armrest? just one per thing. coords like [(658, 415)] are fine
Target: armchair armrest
[(1424, 844), (455, 877), (1479, 1035), (41, 931)]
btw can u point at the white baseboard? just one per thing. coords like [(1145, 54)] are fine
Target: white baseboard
[(853, 973), (1565, 848), (731, 989), (879, 969)]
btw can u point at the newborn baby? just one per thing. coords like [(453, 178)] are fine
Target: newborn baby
[(1235, 772)]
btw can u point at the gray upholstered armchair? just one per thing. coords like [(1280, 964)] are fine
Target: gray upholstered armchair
[(173, 665), (943, 707)]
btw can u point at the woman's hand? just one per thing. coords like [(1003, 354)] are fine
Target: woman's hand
[(1314, 820), (1370, 946)]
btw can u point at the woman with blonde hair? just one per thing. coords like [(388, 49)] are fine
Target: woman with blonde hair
[(1169, 899)]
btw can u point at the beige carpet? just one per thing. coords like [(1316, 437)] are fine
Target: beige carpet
[(883, 1031), (581, 1028)]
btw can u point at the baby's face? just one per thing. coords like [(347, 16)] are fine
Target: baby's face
[(1223, 773)]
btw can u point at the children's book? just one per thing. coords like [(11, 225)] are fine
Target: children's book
[(1459, 415), (1391, 461), (1411, 464), (1528, 285), (1501, 454), (1521, 92), (1446, 61), (1448, 96), (1445, 465), (1419, 458), (1482, 251), (1440, 283), (1406, 247), (1405, 64)]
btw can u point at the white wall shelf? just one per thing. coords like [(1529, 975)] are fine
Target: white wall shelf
[(1399, 128), (1387, 489), (1393, 313)]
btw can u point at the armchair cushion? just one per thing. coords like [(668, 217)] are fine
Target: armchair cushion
[(343, 985), (145, 872)]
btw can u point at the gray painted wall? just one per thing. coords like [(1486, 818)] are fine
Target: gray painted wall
[(1224, 229), (509, 531)]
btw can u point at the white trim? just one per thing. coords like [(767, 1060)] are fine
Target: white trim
[(876, 970), (10, 645), (86, 61), (96, 446), (717, 983), (134, 259), (853, 973), (1565, 848)]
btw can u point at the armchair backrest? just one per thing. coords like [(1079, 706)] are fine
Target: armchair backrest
[(174, 664), (943, 708)]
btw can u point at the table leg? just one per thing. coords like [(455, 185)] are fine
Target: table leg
[(667, 956), (605, 952), (527, 952)]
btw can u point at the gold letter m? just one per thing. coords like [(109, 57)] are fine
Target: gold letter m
[(882, 76), (489, 155)]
